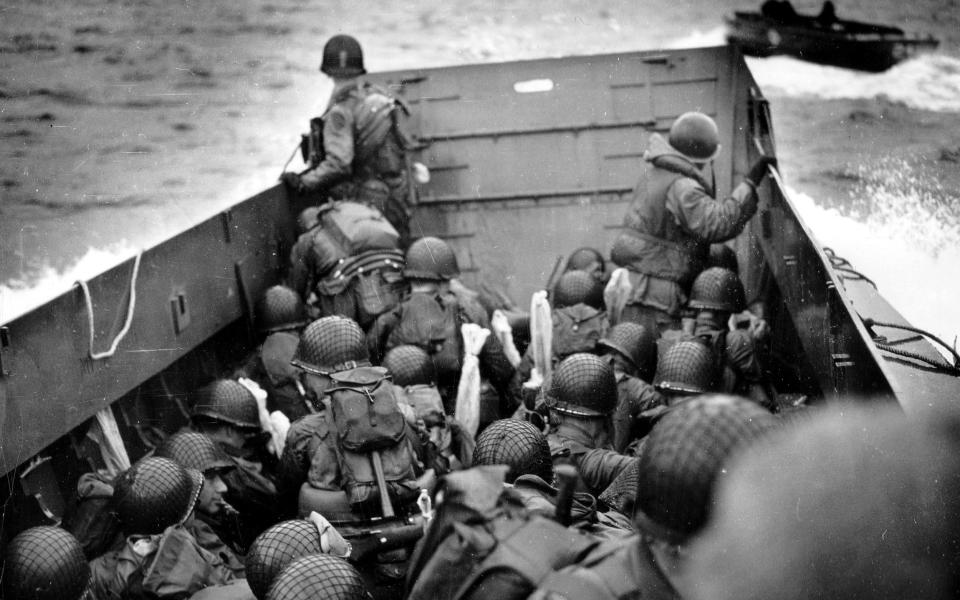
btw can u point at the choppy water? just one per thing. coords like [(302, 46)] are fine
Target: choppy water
[(900, 230)]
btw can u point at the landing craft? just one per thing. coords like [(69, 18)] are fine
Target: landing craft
[(529, 160)]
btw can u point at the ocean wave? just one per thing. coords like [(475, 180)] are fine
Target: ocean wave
[(927, 82), (910, 275), (19, 296)]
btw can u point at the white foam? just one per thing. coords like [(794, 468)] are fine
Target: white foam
[(19, 296), (700, 39), (915, 275), (929, 81)]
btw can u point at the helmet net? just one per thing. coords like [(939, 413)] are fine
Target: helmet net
[(687, 367), (228, 401), (319, 576), (718, 289), (45, 563), (276, 548), (193, 450), (410, 365), (330, 342), (517, 444), (585, 385), (576, 287)]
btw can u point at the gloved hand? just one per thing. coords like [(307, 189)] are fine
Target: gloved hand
[(292, 181), (759, 169)]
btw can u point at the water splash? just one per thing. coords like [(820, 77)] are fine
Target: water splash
[(907, 262), (19, 296), (928, 82)]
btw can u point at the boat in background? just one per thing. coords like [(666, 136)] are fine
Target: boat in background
[(825, 40)]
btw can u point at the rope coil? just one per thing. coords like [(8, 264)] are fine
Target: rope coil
[(131, 307)]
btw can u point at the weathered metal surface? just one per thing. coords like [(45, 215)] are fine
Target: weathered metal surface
[(50, 385)]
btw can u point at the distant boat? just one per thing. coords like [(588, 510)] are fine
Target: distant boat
[(824, 39)]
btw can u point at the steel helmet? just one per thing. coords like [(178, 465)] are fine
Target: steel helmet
[(431, 258), (717, 289), (722, 255), (228, 401), (695, 135), (319, 576), (583, 258), (583, 385), (862, 503), (280, 308), (45, 563), (517, 444), (683, 457), (636, 343), (154, 494), (329, 345), (686, 368), (576, 287), (277, 547), (342, 57), (410, 365), (621, 494), (195, 451)]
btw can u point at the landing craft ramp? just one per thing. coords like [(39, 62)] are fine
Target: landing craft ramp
[(529, 160)]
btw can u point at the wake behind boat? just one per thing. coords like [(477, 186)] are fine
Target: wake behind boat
[(777, 29)]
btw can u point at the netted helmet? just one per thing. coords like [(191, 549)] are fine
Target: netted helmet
[(45, 563), (329, 345), (722, 255), (277, 547), (687, 367), (319, 576), (636, 343), (695, 135), (195, 451), (717, 289), (228, 401), (280, 309), (683, 457), (431, 258), (517, 444), (621, 494), (577, 287), (342, 57), (853, 503), (410, 365), (583, 385), (583, 259), (154, 494)]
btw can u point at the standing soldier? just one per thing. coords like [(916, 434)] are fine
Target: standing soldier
[(361, 152), (674, 218)]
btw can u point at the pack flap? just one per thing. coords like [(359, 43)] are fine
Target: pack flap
[(364, 376)]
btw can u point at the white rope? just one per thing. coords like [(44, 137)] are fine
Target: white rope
[(131, 307)]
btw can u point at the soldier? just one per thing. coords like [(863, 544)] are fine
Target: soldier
[(214, 521), (581, 399), (281, 316), (363, 146), (717, 294), (674, 217), (152, 500), (632, 352), (431, 318), (685, 453), (686, 369), (311, 454), (579, 320), (276, 548), (862, 503), (319, 576), (411, 370), (228, 414), (45, 563)]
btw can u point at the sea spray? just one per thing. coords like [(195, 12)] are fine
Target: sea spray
[(908, 262), (19, 296)]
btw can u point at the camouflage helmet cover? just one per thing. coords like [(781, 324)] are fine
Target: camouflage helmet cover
[(45, 563), (583, 385), (277, 547), (154, 494), (683, 456), (228, 401), (517, 444), (329, 345)]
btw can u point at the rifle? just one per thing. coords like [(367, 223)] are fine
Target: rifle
[(381, 535)]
